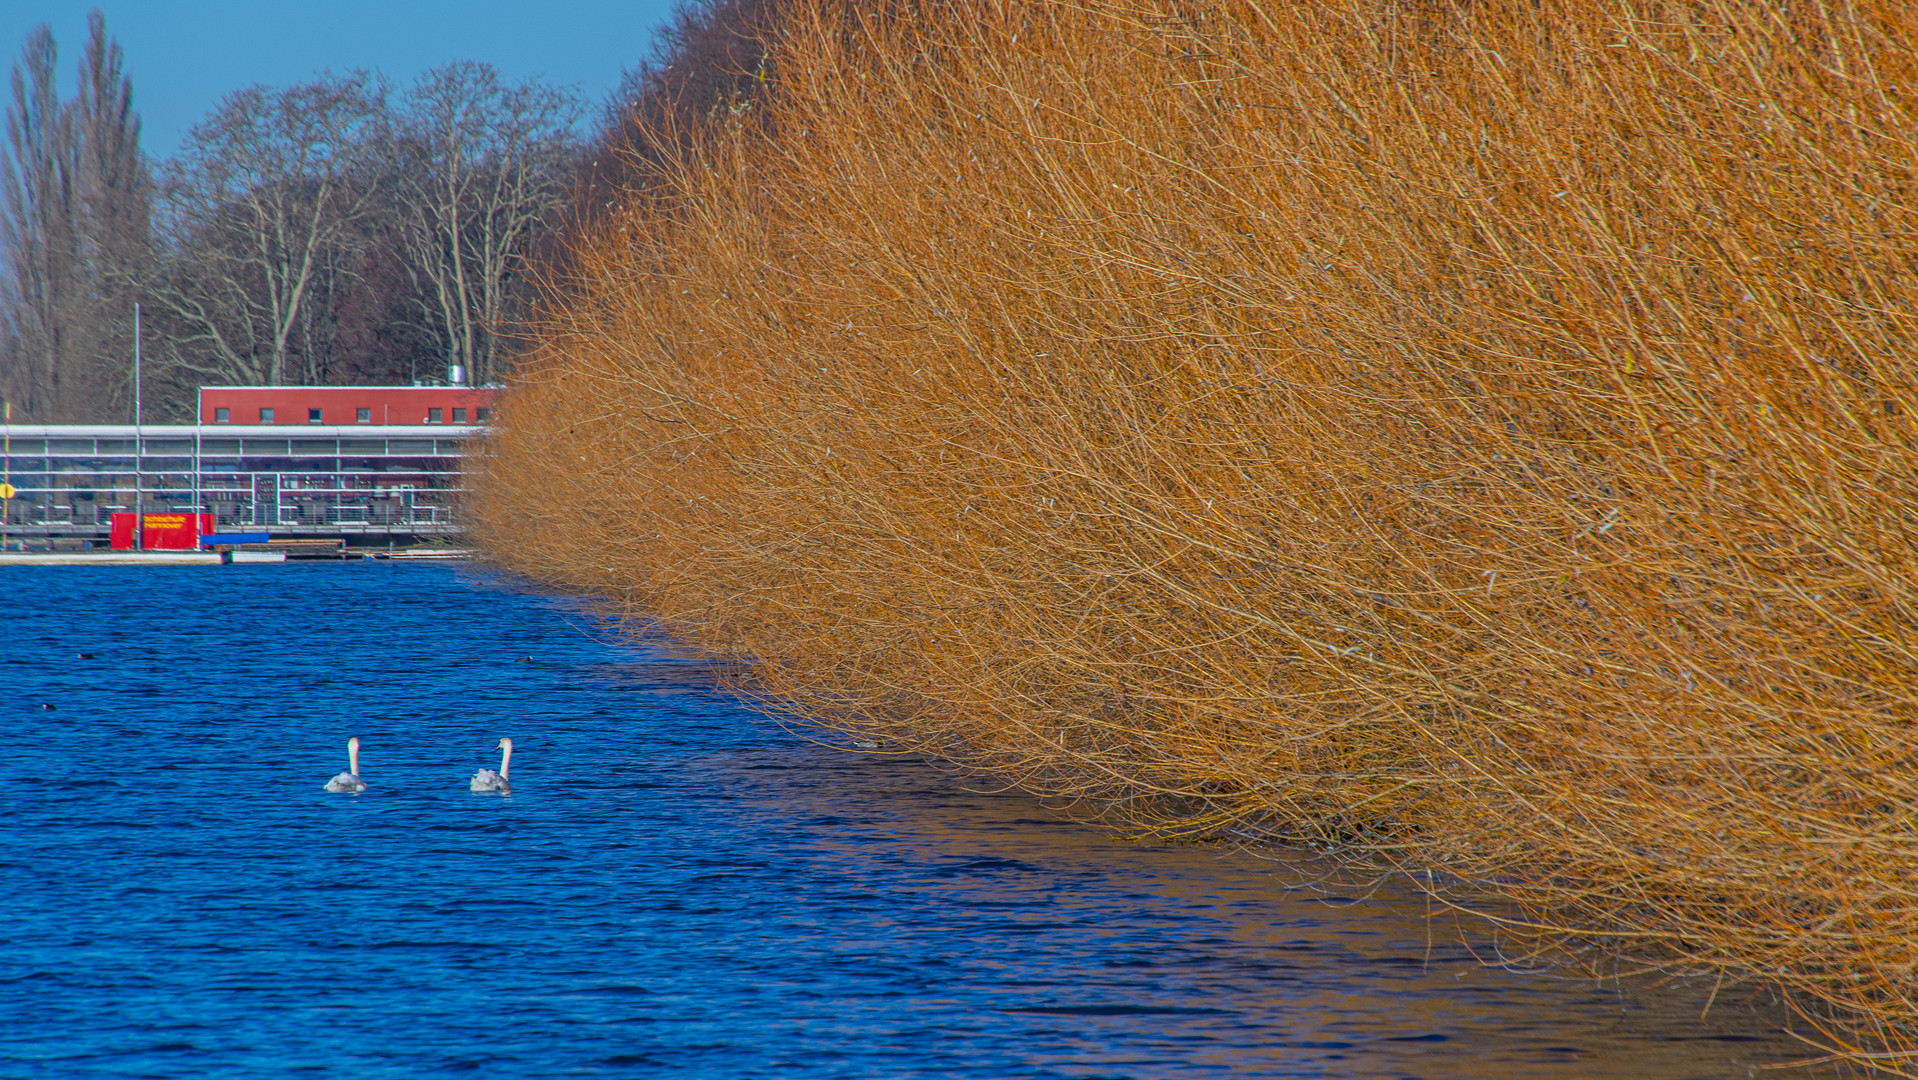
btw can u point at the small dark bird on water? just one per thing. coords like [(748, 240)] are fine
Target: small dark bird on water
[(524, 660), (50, 708), (86, 656)]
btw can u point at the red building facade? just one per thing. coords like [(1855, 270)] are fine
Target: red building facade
[(345, 404)]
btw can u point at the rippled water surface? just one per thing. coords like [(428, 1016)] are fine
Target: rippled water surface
[(676, 887)]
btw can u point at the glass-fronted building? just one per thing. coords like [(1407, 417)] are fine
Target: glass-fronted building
[(365, 483)]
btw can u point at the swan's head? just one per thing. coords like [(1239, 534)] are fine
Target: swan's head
[(353, 745), (504, 744)]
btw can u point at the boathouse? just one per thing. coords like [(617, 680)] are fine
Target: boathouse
[(370, 465)]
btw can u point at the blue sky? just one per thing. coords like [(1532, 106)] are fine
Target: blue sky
[(185, 56)]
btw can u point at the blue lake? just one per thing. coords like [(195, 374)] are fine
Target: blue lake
[(676, 887)]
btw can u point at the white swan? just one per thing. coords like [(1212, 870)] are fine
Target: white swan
[(488, 780), (349, 781)]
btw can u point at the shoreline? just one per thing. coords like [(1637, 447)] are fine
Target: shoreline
[(111, 558), (216, 558)]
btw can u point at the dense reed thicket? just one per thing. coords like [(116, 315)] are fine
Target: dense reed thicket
[(1474, 438)]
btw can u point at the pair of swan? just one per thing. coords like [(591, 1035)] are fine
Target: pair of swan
[(349, 782)]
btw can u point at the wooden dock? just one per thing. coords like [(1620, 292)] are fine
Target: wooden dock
[(110, 558)]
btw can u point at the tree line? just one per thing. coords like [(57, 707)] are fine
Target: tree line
[(334, 231)]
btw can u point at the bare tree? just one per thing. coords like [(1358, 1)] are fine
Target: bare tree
[(266, 201), (113, 220), (36, 228), (74, 199), (480, 165)]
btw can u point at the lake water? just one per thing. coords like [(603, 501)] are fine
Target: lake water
[(677, 887)]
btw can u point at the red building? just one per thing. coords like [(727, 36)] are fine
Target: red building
[(345, 404)]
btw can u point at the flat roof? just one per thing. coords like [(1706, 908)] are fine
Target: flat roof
[(152, 431), (357, 386)]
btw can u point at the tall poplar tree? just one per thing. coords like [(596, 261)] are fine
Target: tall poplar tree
[(112, 219), (36, 200), (75, 194)]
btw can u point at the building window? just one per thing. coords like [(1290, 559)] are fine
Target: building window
[(459, 416), (313, 416), (479, 415), (266, 416), (434, 416), (222, 416), (362, 416)]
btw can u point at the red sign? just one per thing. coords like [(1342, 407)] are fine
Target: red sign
[(164, 532)]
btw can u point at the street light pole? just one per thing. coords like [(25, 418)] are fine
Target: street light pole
[(6, 485), (139, 444), (197, 410)]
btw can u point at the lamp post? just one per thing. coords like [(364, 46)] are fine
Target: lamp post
[(198, 410), (139, 444), (6, 485)]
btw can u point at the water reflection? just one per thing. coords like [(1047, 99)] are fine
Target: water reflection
[(1093, 954)]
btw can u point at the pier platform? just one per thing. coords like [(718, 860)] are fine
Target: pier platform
[(110, 558)]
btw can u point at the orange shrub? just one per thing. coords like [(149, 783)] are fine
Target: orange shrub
[(1475, 439)]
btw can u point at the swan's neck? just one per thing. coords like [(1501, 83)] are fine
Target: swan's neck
[(353, 757), (505, 760)]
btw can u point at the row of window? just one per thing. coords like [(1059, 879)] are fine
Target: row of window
[(224, 415)]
